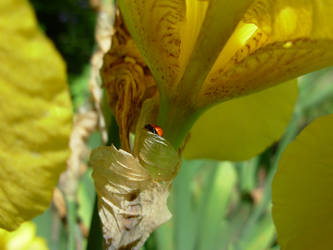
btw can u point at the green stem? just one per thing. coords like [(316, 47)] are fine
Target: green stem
[(95, 238), (71, 220), (176, 117)]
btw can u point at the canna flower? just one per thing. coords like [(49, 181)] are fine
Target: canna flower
[(218, 67), (36, 116)]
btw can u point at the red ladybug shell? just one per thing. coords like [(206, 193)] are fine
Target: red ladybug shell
[(154, 129)]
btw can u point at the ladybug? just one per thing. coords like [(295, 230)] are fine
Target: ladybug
[(154, 129)]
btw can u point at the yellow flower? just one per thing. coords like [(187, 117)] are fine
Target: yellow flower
[(35, 113), (302, 189), (203, 52), (24, 238)]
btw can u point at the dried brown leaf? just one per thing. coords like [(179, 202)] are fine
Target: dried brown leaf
[(104, 30), (127, 80), (133, 191), (84, 124)]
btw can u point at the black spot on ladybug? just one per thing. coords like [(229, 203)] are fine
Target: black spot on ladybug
[(150, 128), (154, 129)]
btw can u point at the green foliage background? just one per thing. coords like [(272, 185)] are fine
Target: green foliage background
[(215, 205)]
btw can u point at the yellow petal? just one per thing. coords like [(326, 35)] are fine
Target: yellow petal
[(243, 127), (302, 189), (24, 238), (165, 32), (35, 113), (221, 18), (275, 41), (156, 27)]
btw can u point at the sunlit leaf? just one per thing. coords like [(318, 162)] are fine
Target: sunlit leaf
[(35, 113)]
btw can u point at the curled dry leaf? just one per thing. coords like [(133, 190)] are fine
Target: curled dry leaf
[(127, 80), (84, 124), (59, 203), (133, 191)]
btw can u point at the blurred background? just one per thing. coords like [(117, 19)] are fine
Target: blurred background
[(215, 205)]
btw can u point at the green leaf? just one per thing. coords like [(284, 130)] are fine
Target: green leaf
[(216, 205)]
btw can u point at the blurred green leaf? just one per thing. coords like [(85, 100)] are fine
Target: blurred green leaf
[(248, 171), (263, 235), (164, 236), (216, 205), (86, 198), (183, 212), (79, 88), (51, 229)]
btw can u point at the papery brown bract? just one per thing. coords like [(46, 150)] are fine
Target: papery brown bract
[(127, 80), (133, 190)]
